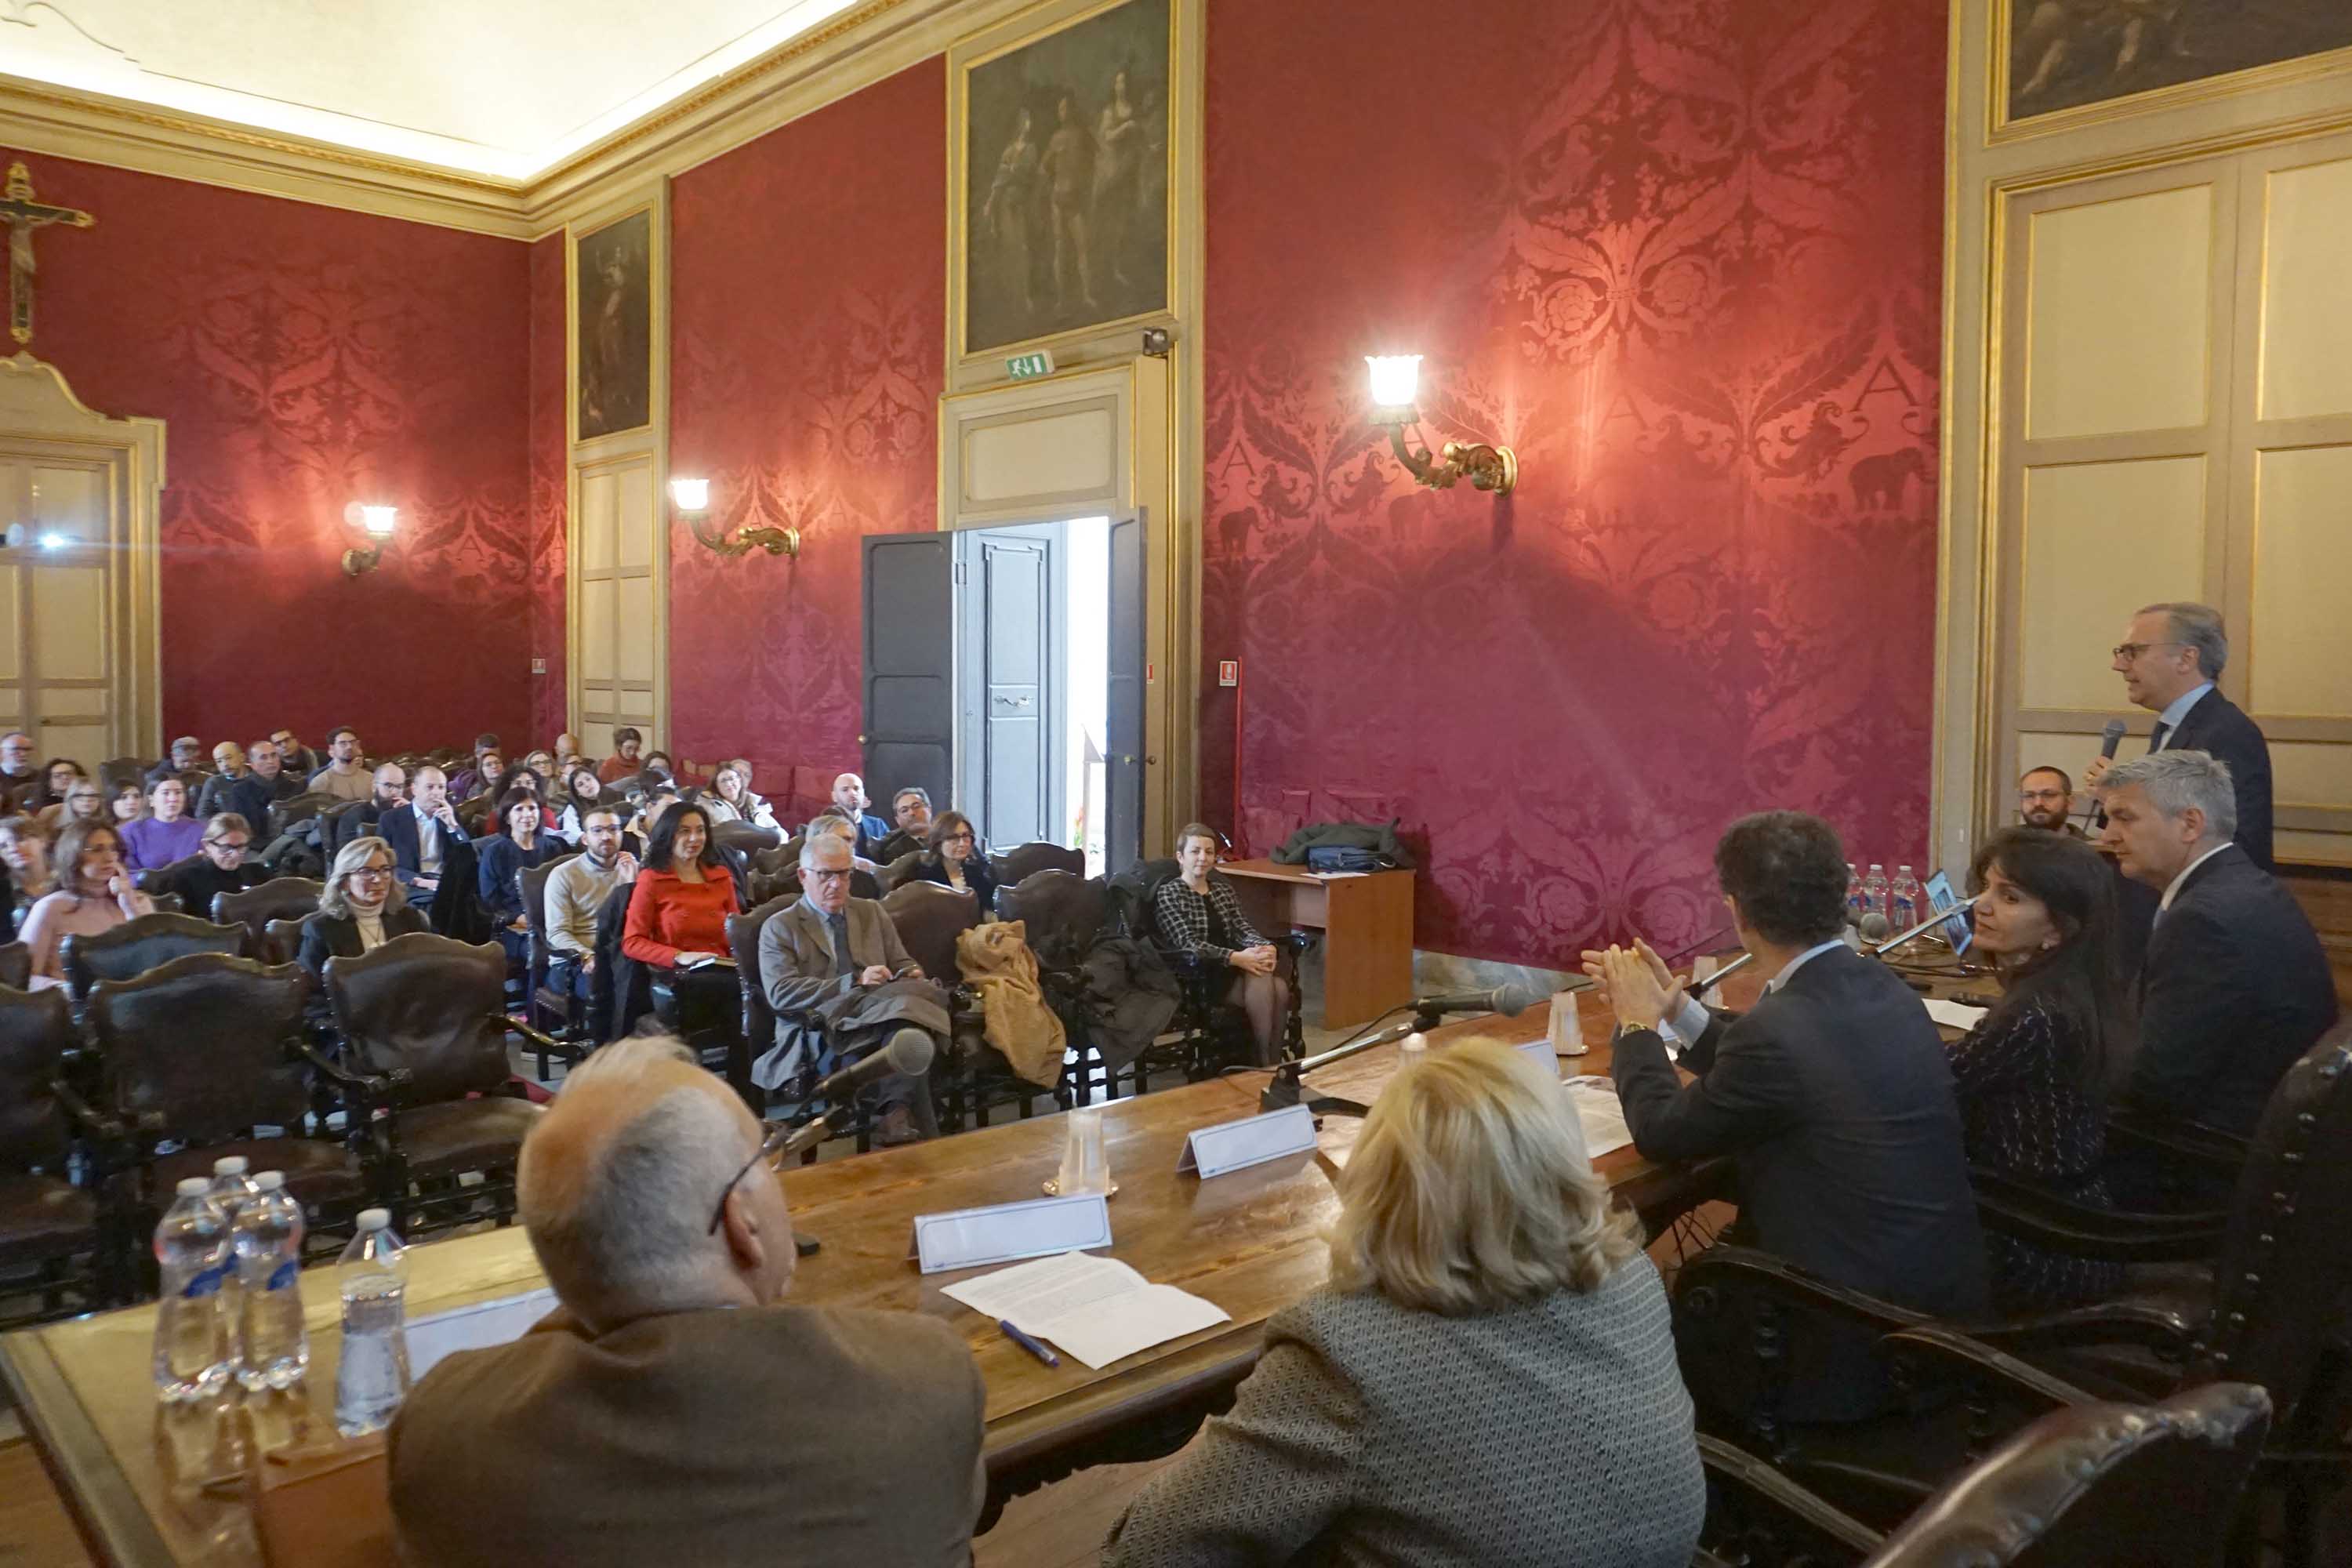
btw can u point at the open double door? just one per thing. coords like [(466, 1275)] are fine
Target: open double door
[(1004, 674)]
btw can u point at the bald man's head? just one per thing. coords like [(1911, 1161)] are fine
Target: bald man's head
[(619, 1179)]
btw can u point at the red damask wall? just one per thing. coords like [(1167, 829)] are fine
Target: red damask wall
[(1683, 256), (807, 303), (303, 358)]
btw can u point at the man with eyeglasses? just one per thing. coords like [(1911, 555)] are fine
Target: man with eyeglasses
[(2171, 657), (2045, 799), (576, 890), (911, 807), (22, 784), (826, 1435), (301, 760), (219, 865), (829, 953)]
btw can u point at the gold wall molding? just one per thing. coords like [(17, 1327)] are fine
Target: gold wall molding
[(873, 41), (1993, 169)]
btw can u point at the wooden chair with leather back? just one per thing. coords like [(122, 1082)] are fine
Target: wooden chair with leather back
[(15, 965), (746, 838), (1062, 913), (153, 876), (928, 919), (287, 815), (1022, 861), (142, 944), (550, 1009), (759, 1027), (1747, 1325), (198, 1055), (2100, 1485), (58, 1255), (423, 1037), (116, 771), (283, 898)]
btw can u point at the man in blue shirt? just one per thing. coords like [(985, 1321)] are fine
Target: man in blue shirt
[(2171, 657)]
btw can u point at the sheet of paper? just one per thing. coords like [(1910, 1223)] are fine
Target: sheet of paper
[(1032, 1294), (1602, 1116), (1953, 1014), (1096, 1309), (1133, 1321), (474, 1327), (1334, 876)]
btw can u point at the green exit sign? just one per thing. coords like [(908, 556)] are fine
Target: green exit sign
[(1028, 367)]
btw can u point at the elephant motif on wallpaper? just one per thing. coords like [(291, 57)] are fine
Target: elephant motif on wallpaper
[(1879, 482)]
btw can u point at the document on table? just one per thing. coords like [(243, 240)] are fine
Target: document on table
[(1097, 1309), (1954, 1014), (1597, 1111), (474, 1327)]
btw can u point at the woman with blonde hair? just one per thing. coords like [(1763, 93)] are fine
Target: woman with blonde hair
[(361, 907), (1489, 1376)]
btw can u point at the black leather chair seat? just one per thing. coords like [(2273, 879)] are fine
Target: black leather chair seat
[(464, 1134), (317, 1172), (43, 1217)]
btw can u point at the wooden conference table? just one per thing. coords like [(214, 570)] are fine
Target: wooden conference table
[(1250, 1242)]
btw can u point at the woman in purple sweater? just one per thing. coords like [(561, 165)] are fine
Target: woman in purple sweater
[(167, 835)]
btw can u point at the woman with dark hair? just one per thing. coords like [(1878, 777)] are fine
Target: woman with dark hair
[(515, 842), (94, 894), (60, 774), (678, 919), (489, 773), (952, 858), (583, 793), (2035, 1075)]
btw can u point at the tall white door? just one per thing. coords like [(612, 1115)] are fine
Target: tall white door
[(58, 676)]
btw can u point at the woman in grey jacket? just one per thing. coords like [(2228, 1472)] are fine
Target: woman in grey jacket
[(1488, 1377)]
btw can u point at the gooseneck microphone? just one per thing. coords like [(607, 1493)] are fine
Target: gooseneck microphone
[(1509, 998), (909, 1051), (1702, 988)]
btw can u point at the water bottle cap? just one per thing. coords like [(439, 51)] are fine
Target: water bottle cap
[(376, 1219), (1876, 867), (270, 1180), (229, 1165), (193, 1187), (1905, 869)]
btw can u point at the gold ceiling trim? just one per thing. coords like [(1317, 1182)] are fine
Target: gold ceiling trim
[(63, 122)]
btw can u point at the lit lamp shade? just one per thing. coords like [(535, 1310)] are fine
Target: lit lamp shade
[(690, 496), (1396, 379), (379, 520)]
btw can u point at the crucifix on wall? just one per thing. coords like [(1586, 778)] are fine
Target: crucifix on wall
[(23, 216)]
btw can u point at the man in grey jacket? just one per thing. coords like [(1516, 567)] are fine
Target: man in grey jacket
[(826, 947)]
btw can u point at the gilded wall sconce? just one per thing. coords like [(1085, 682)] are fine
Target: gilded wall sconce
[(1395, 380), (691, 498)]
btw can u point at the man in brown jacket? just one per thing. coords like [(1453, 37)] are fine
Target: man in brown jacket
[(675, 1409)]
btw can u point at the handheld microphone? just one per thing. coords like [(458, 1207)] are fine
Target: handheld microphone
[(2111, 735), (908, 1051), (1509, 998)]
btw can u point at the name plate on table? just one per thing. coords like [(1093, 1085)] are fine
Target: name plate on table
[(1541, 1052), (1252, 1140), (1005, 1233)]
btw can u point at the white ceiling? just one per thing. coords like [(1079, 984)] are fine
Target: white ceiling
[(507, 87)]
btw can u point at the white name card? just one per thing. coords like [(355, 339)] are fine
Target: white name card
[(1252, 1140), (1005, 1233), (1541, 1052)]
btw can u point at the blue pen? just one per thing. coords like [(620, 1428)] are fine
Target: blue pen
[(1026, 1344)]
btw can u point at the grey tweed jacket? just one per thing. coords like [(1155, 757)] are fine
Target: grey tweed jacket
[(1553, 1433)]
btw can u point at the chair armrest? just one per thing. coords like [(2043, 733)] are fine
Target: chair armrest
[(107, 1129), (379, 1089), (2155, 1321), (1754, 1505), (2020, 1209), (1980, 1367), (531, 1037), (2224, 1152)]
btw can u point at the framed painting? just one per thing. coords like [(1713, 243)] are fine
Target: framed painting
[(1063, 177), (612, 327), (2066, 54)]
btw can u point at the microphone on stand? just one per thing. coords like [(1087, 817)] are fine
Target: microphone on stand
[(1283, 1089), (1874, 927), (1510, 998), (909, 1051), (1957, 911)]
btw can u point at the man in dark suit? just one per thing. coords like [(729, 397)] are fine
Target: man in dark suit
[(1832, 1096), (431, 853), (2169, 658), (2236, 986), (676, 1407)]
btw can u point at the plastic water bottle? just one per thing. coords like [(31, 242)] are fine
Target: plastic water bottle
[(195, 1339), (1855, 907), (1904, 896), (1874, 893), (233, 1191), (269, 1244), (372, 1376)]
